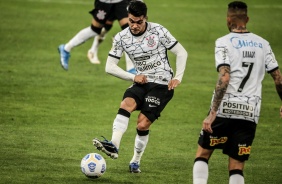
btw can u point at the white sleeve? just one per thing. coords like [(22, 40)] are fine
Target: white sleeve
[(181, 59), (113, 69)]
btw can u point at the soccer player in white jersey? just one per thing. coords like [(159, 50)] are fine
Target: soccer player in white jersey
[(241, 59), (103, 10), (146, 43)]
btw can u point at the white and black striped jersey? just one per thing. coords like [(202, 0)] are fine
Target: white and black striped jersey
[(148, 51), (248, 56)]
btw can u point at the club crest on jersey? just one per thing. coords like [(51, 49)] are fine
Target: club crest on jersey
[(151, 41), (101, 14)]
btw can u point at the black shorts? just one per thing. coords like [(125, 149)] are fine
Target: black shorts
[(106, 11), (151, 98), (233, 136)]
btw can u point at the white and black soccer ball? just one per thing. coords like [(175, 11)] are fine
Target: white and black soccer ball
[(93, 165)]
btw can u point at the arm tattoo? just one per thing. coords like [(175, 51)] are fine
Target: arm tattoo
[(221, 86), (276, 75)]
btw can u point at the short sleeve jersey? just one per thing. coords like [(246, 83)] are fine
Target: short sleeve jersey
[(248, 56), (148, 51)]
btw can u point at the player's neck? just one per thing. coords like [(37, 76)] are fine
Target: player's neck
[(239, 29)]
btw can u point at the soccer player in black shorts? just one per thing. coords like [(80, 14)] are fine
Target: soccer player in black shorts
[(101, 13), (241, 58), (146, 44)]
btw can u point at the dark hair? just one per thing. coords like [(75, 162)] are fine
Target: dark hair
[(238, 6), (137, 8)]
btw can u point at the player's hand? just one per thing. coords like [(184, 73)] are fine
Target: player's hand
[(173, 84), (140, 79), (208, 121)]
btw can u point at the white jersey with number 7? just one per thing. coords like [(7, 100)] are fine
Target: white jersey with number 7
[(248, 56)]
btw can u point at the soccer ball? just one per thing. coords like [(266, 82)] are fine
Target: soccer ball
[(93, 165)]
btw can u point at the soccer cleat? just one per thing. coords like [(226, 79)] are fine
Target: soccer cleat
[(64, 57), (92, 58), (134, 168), (107, 147)]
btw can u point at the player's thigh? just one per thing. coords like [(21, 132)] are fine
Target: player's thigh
[(235, 164), (218, 138), (240, 140), (101, 11), (137, 92), (156, 100), (204, 153), (128, 104)]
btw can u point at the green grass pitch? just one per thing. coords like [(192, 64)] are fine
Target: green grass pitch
[(48, 117)]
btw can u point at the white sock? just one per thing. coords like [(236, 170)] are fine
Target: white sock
[(236, 179), (200, 172), (119, 127), (97, 41), (94, 47), (139, 147), (80, 38), (129, 64)]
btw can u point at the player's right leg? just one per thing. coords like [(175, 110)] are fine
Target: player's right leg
[(120, 125), (200, 167)]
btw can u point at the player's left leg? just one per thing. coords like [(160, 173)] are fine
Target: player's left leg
[(157, 98), (141, 140), (241, 139)]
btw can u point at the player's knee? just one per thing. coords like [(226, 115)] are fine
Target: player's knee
[(235, 164), (143, 123), (203, 153), (149, 116), (128, 104)]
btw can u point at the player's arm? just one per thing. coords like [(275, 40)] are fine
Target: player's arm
[(181, 59), (276, 75), (220, 90), (113, 69), (221, 86)]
